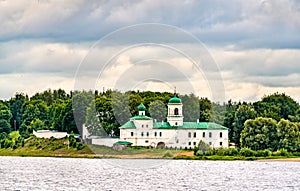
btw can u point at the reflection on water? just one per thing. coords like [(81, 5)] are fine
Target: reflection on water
[(29, 173)]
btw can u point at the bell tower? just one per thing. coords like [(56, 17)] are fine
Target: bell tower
[(175, 117)]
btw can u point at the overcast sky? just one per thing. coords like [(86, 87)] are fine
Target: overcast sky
[(55, 44)]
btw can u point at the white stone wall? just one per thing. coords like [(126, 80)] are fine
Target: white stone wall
[(174, 138), (109, 142), (143, 124), (48, 134)]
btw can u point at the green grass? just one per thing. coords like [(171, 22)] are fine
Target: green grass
[(40, 147)]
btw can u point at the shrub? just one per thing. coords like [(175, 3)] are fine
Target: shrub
[(281, 152), (246, 152), (167, 154), (80, 146), (263, 153)]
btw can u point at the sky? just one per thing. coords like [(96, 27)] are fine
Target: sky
[(239, 50)]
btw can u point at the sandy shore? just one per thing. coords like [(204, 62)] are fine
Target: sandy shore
[(281, 160)]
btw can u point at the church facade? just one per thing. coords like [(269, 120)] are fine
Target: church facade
[(142, 130)]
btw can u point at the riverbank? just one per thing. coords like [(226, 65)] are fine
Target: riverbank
[(39, 147), (133, 153)]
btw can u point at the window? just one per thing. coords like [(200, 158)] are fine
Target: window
[(142, 125), (195, 134), (147, 134), (160, 134), (142, 134), (190, 143), (176, 123), (203, 134), (131, 134), (146, 141), (221, 143), (210, 135), (194, 143), (190, 134), (146, 125), (176, 111), (221, 134), (209, 143), (177, 140), (155, 134)]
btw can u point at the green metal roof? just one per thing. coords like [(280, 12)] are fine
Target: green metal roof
[(141, 117), (141, 107), (175, 100), (186, 125), (123, 143), (128, 125)]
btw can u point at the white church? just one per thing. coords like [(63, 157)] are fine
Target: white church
[(142, 130)]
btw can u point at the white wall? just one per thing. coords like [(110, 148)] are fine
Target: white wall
[(109, 142), (175, 138)]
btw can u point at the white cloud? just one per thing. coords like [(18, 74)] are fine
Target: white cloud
[(255, 43)]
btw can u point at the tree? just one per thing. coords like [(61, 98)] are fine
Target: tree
[(202, 148), (217, 113), (277, 106), (260, 134), (158, 110), (68, 121), (92, 121), (36, 124), (16, 107), (243, 113), (191, 108), (120, 107), (229, 118), (289, 135), (106, 115), (5, 116), (80, 102), (205, 109)]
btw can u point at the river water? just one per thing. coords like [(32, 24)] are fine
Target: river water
[(38, 173)]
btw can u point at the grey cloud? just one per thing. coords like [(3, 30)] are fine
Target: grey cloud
[(245, 23)]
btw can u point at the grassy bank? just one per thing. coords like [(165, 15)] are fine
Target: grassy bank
[(39, 147)]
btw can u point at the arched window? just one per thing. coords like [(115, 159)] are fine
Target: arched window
[(176, 111)]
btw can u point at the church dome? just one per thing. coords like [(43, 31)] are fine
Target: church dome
[(175, 100), (141, 107)]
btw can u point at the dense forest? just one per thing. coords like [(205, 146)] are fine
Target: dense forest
[(271, 123)]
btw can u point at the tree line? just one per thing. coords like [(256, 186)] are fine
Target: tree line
[(270, 123)]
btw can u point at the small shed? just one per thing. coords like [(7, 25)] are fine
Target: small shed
[(120, 145)]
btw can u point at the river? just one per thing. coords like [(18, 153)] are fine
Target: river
[(38, 173)]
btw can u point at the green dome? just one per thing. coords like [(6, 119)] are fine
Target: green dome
[(175, 100), (141, 107)]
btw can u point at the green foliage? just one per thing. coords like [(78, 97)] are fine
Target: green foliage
[(246, 152), (277, 106), (36, 124), (259, 134), (288, 135), (5, 116), (243, 113), (56, 110), (205, 109), (72, 141), (201, 148), (167, 155), (92, 121), (158, 110), (281, 152), (191, 107)]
